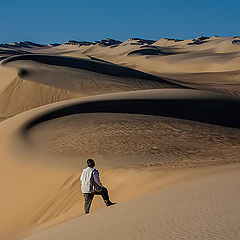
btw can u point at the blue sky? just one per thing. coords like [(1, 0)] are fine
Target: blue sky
[(49, 21)]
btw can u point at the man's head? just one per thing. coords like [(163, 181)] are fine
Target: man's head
[(91, 163)]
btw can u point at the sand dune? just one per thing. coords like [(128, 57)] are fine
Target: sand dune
[(181, 211), (212, 55), (90, 65), (31, 94), (188, 104), (215, 59), (5, 52), (227, 82), (45, 79), (124, 139), (53, 202), (134, 107)]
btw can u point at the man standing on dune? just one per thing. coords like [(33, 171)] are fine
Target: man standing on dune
[(91, 185)]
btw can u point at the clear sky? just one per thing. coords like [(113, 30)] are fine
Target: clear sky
[(49, 21)]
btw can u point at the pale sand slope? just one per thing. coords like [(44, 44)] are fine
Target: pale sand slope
[(7, 75), (223, 82), (53, 194), (203, 208), (127, 139), (168, 56), (44, 79), (220, 57), (18, 94), (215, 55)]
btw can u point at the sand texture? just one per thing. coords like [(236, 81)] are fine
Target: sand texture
[(181, 211), (161, 119)]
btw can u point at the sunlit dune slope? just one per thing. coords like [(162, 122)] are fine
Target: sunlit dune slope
[(45, 79), (203, 208), (18, 94), (202, 54), (23, 152), (89, 72), (202, 63)]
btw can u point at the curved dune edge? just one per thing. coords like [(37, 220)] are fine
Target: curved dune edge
[(96, 66), (32, 95), (177, 103), (18, 95), (43, 79), (16, 149), (188, 104)]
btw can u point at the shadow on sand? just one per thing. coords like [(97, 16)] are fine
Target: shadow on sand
[(212, 108)]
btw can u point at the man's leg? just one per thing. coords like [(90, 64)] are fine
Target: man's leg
[(88, 200), (105, 196)]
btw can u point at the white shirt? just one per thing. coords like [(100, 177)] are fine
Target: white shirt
[(86, 176)]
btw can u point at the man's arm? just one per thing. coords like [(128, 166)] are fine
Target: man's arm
[(81, 178), (96, 178)]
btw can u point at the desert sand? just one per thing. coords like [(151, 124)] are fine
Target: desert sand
[(159, 117)]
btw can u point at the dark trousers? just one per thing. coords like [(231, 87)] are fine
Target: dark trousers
[(89, 197)]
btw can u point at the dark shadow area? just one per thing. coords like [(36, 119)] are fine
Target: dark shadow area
[(79, 43), (222, 111), (7, 51), (108, 42), (143, 41), (22, 73), (5, 45), (174, 40), (199, 40), (149, 51), (149, 46), (3, 57), (13, 52), (236, 42)]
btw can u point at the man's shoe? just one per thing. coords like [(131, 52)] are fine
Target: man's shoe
[(111, 203)]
